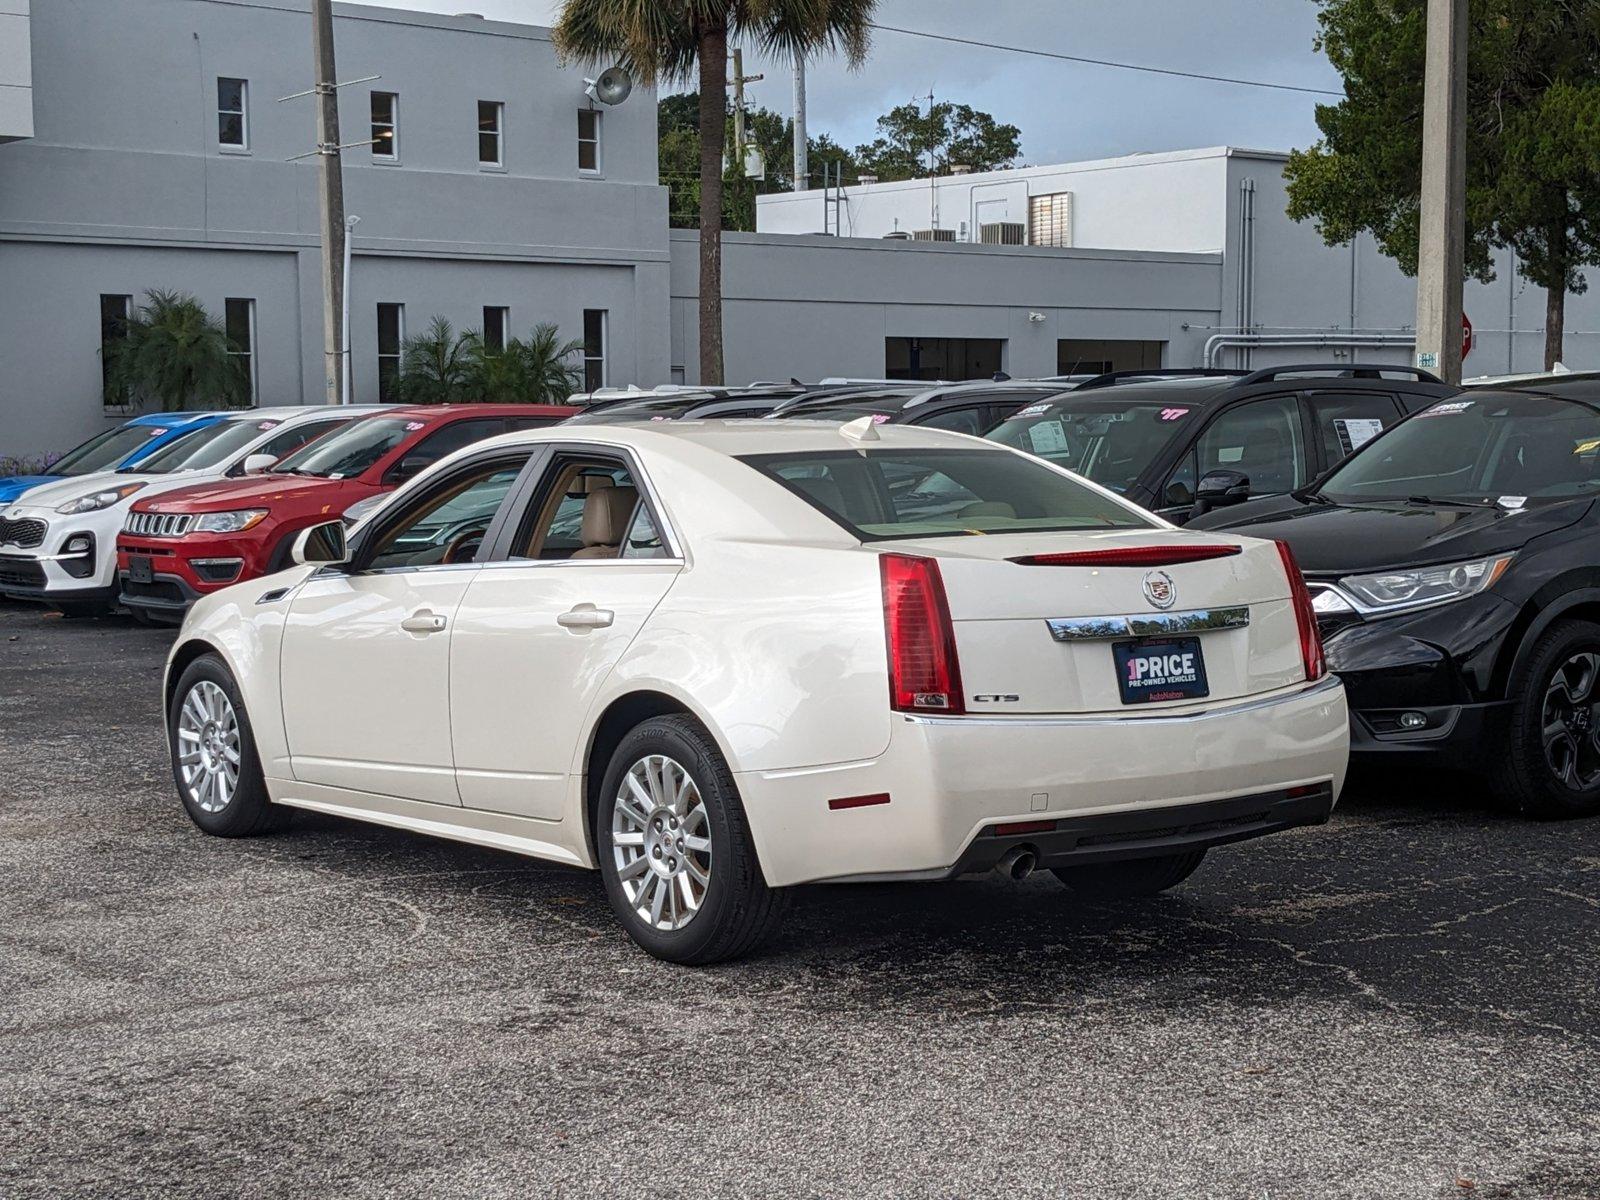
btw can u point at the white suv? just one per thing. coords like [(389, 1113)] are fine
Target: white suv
[(58, 542)]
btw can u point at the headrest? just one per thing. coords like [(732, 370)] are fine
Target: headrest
[(605, 515)]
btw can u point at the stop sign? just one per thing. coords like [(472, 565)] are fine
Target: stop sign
[(1466, 336)]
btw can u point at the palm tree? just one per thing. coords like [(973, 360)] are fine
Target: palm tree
[(677, 39), (433, 367), (539, 370), (177, 354)]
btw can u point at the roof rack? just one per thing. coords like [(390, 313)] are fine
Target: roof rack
[(1343, 370), (1112, 378)]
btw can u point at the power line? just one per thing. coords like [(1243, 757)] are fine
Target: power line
[(1104, 62)]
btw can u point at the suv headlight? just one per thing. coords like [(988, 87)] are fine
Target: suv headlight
[(229, 522), (1427, 585), (95, 501)]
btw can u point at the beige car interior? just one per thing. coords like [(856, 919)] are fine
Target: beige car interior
[(607, 511)]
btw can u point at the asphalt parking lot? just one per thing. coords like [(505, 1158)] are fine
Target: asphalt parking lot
[(1405, 1003)]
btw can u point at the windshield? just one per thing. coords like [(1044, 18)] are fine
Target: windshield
[(106, 451), (204, 448), (1108, 441), (351, 450), (885, 494), (1478, 451)]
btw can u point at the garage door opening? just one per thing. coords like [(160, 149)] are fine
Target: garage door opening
[(941, 358), (1082, 356)]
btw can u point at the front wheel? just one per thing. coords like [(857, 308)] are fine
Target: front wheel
[(675, 852), (1127, 880), (214, 760), (1551, 767)]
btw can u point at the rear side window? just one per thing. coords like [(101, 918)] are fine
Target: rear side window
[(886, 494), (450, 439)]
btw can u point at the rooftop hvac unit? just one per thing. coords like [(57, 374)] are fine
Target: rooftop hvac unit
[(933, 235), (899, 235), (1003, 233)]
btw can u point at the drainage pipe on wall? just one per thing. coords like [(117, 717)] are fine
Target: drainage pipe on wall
[(1219, 342)]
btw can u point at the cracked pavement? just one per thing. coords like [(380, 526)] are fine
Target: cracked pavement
[(1401, 1004)]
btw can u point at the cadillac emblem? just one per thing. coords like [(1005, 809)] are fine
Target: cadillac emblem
[(1159, 589)]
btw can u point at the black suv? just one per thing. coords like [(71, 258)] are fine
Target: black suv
[(1454, 563), (1181, 442), (971, 408)]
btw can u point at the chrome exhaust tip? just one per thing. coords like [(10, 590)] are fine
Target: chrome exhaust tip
[(1018, 863)]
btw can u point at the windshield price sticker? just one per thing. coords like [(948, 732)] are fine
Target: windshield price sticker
[(1033, 410), (1047, 437), (1448, 409), (1356, 432), (413, 426), (1174, 414), (266, 425)]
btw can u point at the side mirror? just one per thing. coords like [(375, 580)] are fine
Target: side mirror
[(321, 546), (1219, 489), (411, 465), (259, 464)]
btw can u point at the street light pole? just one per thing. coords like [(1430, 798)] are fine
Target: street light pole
[(346, 373), (1442, 246), (802, 167), (330, 172)]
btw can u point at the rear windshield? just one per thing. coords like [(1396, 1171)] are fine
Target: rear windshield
[(1111, 442), (885, 494), (106, 451), (208, 447)]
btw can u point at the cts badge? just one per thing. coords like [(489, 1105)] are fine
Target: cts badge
[(1159, 589)]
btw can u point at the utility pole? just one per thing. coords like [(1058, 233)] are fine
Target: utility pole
[(1442, 248), (737, 82), (802, 146), (330, 172)]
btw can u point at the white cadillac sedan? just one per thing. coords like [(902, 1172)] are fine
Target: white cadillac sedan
[(718, 659)]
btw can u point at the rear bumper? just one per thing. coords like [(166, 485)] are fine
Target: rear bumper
[(948, 780)]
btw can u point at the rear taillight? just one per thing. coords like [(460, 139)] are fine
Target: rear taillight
[(1130, 556), (924, 676), (1304, 616)]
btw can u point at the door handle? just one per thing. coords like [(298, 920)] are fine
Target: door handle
[(424, 622), (586, 616)]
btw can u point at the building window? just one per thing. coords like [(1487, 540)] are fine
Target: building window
[(391, 339), (933, 358), (114, 313), (1050, 219), (589, 140), (594, 348), (239, 320), (233, 114), (496, 328), (1077, 356), (385, 125), (491, 120)]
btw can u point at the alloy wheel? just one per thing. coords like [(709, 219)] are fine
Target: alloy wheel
[(661, 842), (1571, 722), (208, 747)]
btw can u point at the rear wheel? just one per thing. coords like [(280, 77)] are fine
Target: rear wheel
[(214, 760), (1125, 880), (1551, 767), (675, 852)]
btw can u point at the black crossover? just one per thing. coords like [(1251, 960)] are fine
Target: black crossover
[(1455, 566)]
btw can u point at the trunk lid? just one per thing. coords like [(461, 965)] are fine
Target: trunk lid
[(1040, 639)]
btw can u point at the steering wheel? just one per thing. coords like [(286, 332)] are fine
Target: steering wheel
[(463, 546)]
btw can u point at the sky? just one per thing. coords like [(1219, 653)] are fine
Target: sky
[(1066, 111)]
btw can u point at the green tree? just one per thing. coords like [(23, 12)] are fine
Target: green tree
[(434, 367), (677, 39), (538, 370), (956, 135), (177, 355), (1533, 138)]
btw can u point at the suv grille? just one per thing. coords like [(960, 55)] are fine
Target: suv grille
[(159, 524), (27, 532), (22, 573)]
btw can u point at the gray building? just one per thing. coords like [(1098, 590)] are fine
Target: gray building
[(159, 156)]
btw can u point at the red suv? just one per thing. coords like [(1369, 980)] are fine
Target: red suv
[(187, 543)]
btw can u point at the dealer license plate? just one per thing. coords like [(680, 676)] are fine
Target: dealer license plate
[(1171, 669)]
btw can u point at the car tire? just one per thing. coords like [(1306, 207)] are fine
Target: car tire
[(207, 717), (1558, 683), (704, 905), (1129, 879)]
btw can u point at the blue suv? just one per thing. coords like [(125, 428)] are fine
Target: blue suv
[(124, 446)]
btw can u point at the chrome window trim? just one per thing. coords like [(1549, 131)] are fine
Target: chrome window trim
[(1104, 629), (1328, 684)]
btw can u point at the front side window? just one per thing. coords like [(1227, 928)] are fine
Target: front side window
[(385, 125), (240, 322), (1261, 439), (886, 494), (391, 341), (204, 448), (105, 451), (448, 527), (589, 140), (594, 349), (491, 117), (1112, 442), (1478, 451), (233, 114)]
